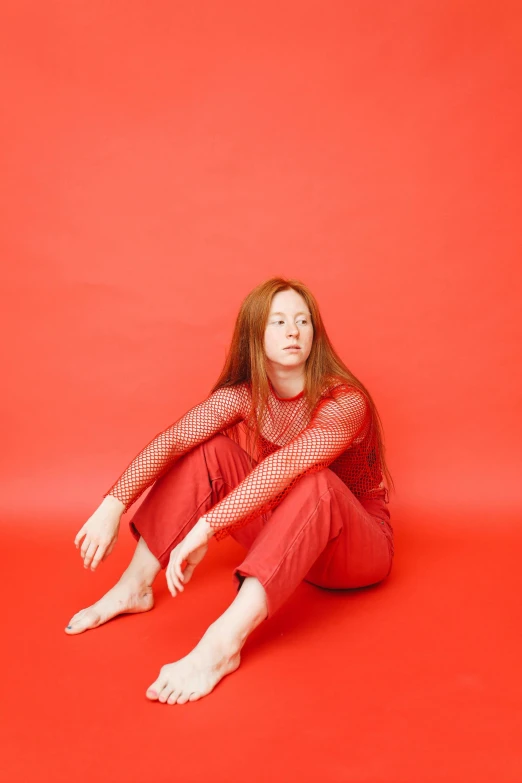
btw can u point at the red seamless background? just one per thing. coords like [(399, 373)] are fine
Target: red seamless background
[(161, 159)]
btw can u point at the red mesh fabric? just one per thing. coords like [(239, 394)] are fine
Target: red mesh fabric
[(340, 434)]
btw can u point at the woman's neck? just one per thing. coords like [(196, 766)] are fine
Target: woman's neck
[(287, 388)]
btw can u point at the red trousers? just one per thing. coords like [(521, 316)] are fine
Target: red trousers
[(319, 532)]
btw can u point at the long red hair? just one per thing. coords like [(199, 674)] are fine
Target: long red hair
[(246, 360)]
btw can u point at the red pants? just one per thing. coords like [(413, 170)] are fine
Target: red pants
[(319, 532)]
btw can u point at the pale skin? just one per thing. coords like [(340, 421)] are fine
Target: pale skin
[(218, 652)]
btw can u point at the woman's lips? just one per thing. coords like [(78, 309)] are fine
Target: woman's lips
[(292, 348)]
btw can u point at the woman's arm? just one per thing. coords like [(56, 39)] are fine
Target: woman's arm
[(222, 409), (332, 429)]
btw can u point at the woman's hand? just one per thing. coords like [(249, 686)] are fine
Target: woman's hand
[(193, 549), (100, 531)]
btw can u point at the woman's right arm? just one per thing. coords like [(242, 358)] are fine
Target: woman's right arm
[(223, 408)]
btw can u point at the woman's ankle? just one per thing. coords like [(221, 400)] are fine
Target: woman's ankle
[(138, 580)]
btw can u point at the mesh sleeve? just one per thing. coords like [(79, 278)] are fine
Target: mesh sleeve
[(334, 425), (222, 409)]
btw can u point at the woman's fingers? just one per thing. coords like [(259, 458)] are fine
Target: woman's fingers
[(79, 535), (97, 537), (175, 577), (89, 554), (95, 551), (172, 578), (170, 581), (98, 557), (87, 544), (109, 550)]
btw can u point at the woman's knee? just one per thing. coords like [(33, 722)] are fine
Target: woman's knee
[(321, 481), (223, 455)]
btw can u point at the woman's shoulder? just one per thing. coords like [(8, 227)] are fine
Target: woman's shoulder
[(336, 387), (237, 394), (341, 397)]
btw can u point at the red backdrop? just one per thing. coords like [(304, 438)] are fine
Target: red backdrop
[(162, 159)]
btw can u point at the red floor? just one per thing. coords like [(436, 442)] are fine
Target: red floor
[(418, 679)]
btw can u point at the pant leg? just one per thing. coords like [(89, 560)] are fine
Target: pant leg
[(320, 531), (192, 486)]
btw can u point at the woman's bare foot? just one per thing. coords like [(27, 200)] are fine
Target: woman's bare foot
[(126, 597), (198, 673)]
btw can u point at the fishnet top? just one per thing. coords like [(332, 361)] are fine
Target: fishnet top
[(339, 434)]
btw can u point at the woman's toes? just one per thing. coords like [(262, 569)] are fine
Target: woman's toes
[(173, 697), (183, 698), (87, 618), (121, 599), (76, 623), (194, 696), (154, 691), (165, 693)]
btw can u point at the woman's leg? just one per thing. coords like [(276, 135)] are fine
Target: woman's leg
[(193, 485), (131, 594), (304, 530), (216, 654), (322, 533)]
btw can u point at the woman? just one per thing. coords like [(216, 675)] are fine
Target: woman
[(304, 493)]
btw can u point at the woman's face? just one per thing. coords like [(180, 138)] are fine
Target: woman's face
[(289, 323)]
